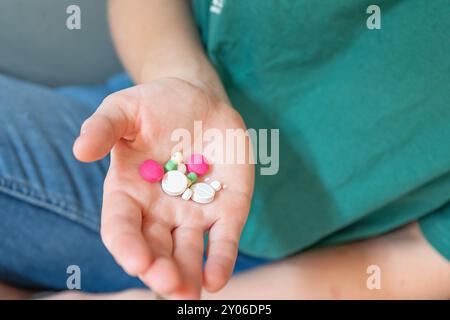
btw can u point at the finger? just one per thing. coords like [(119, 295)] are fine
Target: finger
[(122, 235), (223, 240), (163, 275), (113, 120), (188, 253)]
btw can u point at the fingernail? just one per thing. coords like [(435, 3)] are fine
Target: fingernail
[(83, 128)]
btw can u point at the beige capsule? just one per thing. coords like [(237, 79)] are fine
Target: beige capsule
[(187, 194), (177, 157)]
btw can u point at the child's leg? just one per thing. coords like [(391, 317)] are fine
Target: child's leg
[(410, 268), (49, 202)]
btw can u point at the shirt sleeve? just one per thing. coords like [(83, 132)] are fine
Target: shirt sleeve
[(436, 229)]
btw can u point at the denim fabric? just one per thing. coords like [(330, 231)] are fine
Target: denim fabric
[(49, 202)]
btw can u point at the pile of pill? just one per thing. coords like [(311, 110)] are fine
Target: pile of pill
[(179, 178)]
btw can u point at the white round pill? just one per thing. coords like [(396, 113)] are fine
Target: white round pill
[(177, 157), (216, 185), (182, 168), (174, 183), (202, 192), (187, 194)]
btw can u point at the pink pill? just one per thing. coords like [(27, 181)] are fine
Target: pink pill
[(151, 171), (197, 164)]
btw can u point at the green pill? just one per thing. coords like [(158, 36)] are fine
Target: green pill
[(192, 176), (170, 165)]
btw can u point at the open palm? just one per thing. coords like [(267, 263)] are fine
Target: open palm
[(152, 235)]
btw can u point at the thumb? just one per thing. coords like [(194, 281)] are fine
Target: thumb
[(100, 132)]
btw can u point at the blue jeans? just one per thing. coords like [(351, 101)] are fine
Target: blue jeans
[(50, 203)]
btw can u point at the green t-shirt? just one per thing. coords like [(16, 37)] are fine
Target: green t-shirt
[(364, 115)]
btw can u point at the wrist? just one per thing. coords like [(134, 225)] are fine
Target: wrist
[(198, 72)]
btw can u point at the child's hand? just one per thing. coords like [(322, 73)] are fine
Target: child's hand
[(152, 235)]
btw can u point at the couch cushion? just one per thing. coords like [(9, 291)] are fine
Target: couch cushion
[(36, 44)]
